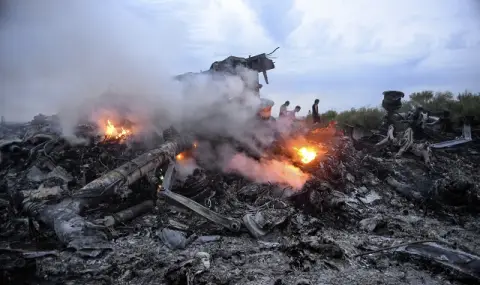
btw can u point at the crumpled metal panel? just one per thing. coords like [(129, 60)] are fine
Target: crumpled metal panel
[(466, 137)]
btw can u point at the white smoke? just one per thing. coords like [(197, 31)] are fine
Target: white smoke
[(63, 56), (80, 59)]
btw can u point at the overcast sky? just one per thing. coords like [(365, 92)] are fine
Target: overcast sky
[(343, 52)]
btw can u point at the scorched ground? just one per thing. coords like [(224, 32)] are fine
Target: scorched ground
[(320, 209)]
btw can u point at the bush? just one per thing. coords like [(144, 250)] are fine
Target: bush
[(366, 117), (464, 104), (467, 104), (328, 116)]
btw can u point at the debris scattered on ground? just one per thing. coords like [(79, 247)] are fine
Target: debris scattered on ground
[(116, 211)]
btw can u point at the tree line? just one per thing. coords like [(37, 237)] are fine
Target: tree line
[(463, 104)]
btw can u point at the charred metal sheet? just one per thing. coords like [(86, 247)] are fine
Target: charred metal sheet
[(71, 228), (65, 217), (8, 142), (457, 260), (253, 227), (133, 170), (205, 212), (127, 214), (465, 138), (168, 177)]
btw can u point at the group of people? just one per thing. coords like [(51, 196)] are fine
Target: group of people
[(285, 113)]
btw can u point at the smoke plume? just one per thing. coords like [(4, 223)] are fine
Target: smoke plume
[(83, 59)]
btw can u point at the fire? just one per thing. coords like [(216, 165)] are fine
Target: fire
[(180, 156), (306, 154), (187, 153), (264, 171), (114, 132)]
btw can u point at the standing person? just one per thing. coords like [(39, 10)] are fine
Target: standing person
[(315, 114), (292, 114), (283, 109)]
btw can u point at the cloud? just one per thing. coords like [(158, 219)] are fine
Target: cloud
[(381, 32), (213, 29), (348, 52), (343, 52)]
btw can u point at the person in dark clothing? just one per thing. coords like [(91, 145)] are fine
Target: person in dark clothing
[(315, 114), (283, 109)]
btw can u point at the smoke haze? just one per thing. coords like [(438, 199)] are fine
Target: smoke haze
[(59, 55), (83, 59)]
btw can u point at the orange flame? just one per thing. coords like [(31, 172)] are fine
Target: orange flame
[(187, 153), (305, 151), (180, 156), (306, 154), (113, 132)]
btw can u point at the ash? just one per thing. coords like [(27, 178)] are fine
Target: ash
[(363, 217)]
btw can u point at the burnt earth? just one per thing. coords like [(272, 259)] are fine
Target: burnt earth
[(353, 204)]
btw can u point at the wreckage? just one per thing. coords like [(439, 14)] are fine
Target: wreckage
[(235, 66), (314, 208), (412, 131)]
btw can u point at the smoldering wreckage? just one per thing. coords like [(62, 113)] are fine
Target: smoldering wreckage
[(326, 205)]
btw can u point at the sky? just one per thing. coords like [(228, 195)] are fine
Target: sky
[(343, 52)]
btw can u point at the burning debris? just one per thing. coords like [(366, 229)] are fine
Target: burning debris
[(114, 132), (264, 171), (196, 208), (204, 186), (322, 204), (306, 154)]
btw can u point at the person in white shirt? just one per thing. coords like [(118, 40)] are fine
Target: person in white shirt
[(283, 109), (292, 114)]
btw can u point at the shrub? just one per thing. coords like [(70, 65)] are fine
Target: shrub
[(366, 117), (328, 116), (464, 104)]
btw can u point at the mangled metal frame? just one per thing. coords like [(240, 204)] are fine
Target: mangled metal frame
[(229, 223), (464, 138), (165, 190), (406, 143), (460, 262), (65, 217), (419, 119)]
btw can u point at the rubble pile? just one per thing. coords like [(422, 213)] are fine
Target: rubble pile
[(113, 211)]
